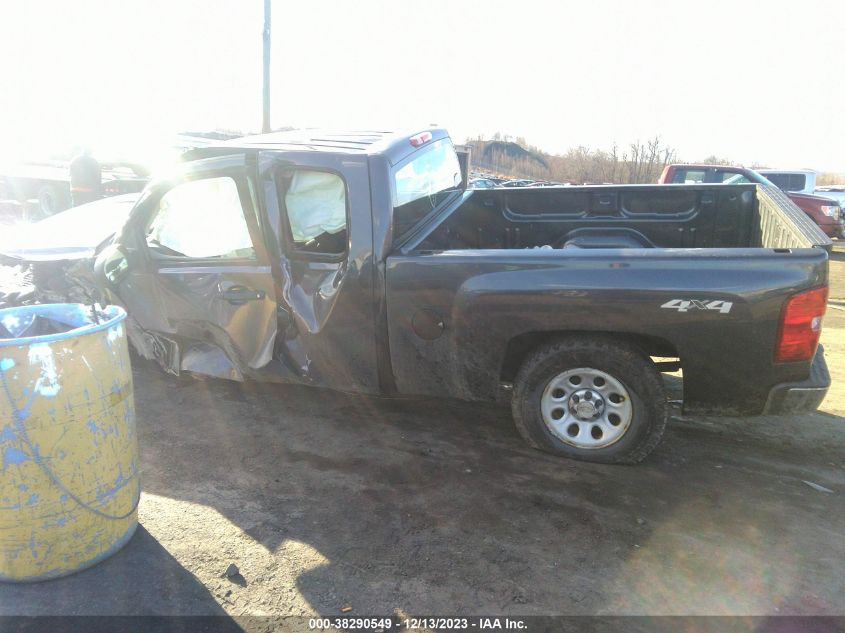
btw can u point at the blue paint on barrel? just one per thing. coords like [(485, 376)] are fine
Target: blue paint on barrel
[(69, 484), (13, 455)]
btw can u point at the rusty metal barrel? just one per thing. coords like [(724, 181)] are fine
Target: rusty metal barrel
[(69, 482)]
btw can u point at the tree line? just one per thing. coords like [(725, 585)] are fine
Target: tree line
[(636, 163), (639, 162)]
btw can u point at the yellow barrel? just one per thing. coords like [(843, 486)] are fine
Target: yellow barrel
[(69, 484)]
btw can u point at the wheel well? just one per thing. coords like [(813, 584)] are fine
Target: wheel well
[(520, 346)]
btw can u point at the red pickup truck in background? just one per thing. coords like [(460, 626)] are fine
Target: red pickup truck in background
[(826, 212)]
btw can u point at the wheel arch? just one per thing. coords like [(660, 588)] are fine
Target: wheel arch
[(519, 347)]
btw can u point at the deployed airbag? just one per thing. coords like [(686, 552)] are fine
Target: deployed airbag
[(316, 204)]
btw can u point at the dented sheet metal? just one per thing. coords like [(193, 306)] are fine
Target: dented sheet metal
[(327, 332), (312, 296), (194, 304), (277, 314)]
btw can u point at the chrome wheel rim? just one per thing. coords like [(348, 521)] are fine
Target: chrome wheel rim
[(586, 408)]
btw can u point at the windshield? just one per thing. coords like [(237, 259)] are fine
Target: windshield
[(423, 183), (753, 176), (730, 177)]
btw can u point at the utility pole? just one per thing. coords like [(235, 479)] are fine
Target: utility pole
[(265, 119)]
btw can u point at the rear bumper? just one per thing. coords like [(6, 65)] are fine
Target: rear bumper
[(801, 397)]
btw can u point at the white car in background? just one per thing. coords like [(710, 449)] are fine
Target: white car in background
[(795, 180), (836, 192), (804, 181)]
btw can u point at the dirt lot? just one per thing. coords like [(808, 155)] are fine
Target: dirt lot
[(435, 507)]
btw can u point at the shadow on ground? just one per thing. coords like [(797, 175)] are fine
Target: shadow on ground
[(140, 579)]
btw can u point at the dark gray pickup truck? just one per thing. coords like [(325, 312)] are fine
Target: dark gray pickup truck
[(359, 262)]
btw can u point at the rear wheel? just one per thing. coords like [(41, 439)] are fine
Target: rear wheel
[(590, 398)]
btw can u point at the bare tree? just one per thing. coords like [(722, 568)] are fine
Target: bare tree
[(639, 163)]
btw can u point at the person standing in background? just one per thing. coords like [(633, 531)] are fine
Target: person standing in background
[(85, 178)]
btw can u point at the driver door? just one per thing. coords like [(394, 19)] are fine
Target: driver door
[(196, 276)]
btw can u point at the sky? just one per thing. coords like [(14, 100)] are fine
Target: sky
[(752, 82)]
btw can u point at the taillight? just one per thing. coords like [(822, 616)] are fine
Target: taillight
[(831, 211), (801, 325)]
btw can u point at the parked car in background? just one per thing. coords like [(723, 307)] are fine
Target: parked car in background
[(834, 192), (44, 189), (482, 183), (517, 183), (71, 235), (824, 211)]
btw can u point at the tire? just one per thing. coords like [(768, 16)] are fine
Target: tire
[(621, 420), (48, 201)]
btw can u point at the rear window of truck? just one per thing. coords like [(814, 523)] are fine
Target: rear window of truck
[(788, 182), (688, 176), (422, 183)]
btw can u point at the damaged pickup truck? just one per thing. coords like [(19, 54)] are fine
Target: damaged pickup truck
[(360, 262)]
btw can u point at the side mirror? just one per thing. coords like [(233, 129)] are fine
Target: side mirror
[(112, 265)]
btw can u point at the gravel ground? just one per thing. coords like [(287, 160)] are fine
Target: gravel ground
[(418, 506)]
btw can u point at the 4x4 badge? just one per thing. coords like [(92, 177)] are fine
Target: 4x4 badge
[(685, 305)]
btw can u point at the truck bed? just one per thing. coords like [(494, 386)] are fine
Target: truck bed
[(696, 273), (633, 216)]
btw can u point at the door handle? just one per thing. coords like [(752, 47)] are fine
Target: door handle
[(238, 295)]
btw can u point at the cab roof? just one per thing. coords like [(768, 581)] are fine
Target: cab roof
[(767, 170), (395, 145), (707, 166)]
